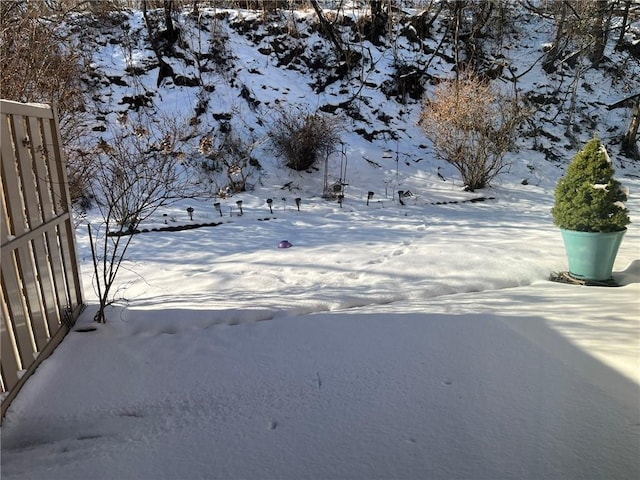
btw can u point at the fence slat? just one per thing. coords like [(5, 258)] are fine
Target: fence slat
[(57, 167), (5, 220), (10, 182), (22, 143), (41, 253), (31, 291), (65, 231), (39, 152), (18, 310), (11, 364)]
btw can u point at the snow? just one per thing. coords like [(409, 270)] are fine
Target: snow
[(390, 341)]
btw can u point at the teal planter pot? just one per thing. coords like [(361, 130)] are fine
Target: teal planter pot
[(591, 254)]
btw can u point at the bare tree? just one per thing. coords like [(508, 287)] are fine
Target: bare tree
[(168, 6), (582, 29), (342, 51), (629, 142), (136, 172), (625, 22), (161, 41), (599, 32)]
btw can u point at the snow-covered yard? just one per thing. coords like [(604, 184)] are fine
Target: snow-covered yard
[(422, 341)]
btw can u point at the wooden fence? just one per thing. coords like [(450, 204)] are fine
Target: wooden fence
[(41, 286)]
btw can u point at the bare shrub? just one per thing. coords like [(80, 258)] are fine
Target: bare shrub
[(135, 172), (301, 137), (228, 161), (472, 125), (40, 61)]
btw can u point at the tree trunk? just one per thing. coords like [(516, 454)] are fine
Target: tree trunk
[(598, 32), (168, 22), (379, 19), (625, 22), (144, 14), (165, 69), (548, 64), (327, 28), (629, 144)]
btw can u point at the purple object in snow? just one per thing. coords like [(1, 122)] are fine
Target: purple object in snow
[(284, 244)]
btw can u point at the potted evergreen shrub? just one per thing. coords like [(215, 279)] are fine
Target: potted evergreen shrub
[(590, 211)]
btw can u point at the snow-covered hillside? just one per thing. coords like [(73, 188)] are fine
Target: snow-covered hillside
[(236, 70)]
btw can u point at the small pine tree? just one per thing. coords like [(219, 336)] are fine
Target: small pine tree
[(588, 198)]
